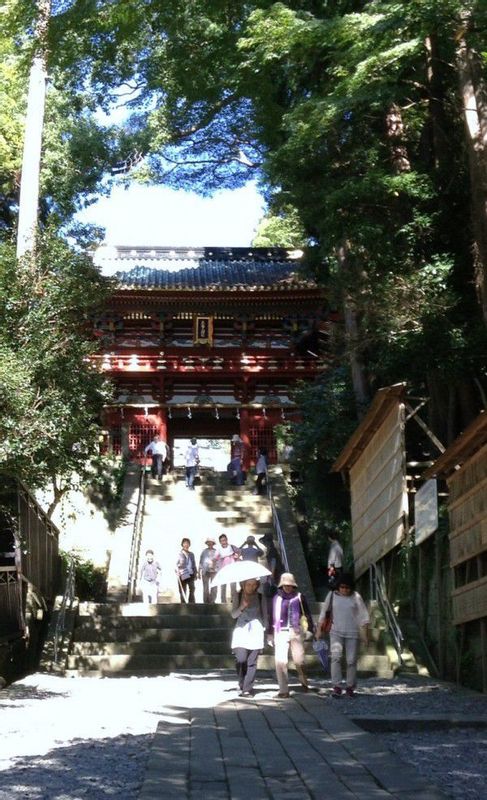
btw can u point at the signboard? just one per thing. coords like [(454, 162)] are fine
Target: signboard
[(203, 330), (425, 511)]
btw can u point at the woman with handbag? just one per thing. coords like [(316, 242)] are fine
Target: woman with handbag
[(345, 615), (289, 607), (249, 611)]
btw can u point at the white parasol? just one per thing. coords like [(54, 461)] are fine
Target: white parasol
[(239, 571)]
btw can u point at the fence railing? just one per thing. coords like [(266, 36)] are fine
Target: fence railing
[(29, 552), (136, 538), (378, 592)]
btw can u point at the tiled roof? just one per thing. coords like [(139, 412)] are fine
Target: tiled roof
[(214, 274), (202, 268)]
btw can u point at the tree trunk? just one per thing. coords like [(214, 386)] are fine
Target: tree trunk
[(34, 124), (395, 136), (474, 103), (360, 380)]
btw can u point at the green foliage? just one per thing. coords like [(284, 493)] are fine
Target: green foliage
[(50, 395), (282, 228), (90, 581)]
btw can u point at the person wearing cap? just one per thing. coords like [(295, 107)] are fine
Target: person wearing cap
[(350, 619), (207, 568), (288, 606), (250, 551)]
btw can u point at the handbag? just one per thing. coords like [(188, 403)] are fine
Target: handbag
[(303, 622), (328, 621)]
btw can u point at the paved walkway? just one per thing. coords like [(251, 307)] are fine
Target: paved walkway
[(263, 748)]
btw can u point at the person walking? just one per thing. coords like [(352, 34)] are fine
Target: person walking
[(250, 551), (335, 561), (272, 557), (235, 471), (207, 570), (288, 606), (249, 611), (186, 572), (149, 578), (192, 459), (159, 451), (261, 472), (226, 554), (350, 619)]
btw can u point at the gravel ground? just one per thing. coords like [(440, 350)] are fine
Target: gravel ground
[(68, 739), (454, 759)]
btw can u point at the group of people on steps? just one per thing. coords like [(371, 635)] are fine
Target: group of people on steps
[(275, 612), (159, 451)]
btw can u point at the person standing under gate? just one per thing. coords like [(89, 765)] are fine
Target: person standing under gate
[(192, 459), (159, 452), (261, 472)]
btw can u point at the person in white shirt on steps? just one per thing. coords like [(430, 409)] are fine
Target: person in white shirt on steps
[(159, 452)]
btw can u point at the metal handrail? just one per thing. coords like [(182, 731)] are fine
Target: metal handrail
[(378, 592), (136, 538), (277, 528), (66, 602)]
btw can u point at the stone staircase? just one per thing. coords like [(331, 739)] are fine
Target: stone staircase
[(134, 639), (214, 507), (122, 639)]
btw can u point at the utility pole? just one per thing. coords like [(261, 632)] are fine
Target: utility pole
[(34, 124)]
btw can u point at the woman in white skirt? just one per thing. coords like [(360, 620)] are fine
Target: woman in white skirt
[(350, 623), (248, 635)]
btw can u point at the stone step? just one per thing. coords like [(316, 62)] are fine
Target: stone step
[(141, 623), (194, 648), (135, 635), (145, 610), (163, 664)]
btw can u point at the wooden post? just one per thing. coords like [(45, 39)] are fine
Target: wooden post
[(245, 436)]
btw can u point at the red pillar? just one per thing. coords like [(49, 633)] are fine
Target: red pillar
[(245, 436), (162, 423)]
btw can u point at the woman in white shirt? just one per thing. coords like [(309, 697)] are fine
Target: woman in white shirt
[(349, 617)]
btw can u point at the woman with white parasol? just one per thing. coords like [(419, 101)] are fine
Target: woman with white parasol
[(250, 612)]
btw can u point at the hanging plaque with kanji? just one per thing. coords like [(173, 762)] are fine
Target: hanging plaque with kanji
[(203, 330)]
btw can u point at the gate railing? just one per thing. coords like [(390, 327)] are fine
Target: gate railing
[(277, 528), (136, 538), (378, 592)]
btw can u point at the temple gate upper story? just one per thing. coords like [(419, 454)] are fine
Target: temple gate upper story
[(208, 342)]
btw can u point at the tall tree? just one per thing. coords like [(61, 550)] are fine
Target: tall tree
[(347, 111), (50, 396)]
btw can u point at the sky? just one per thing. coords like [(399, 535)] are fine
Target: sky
[(156, 215)]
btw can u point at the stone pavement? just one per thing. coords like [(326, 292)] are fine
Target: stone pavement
[(263, 747)]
